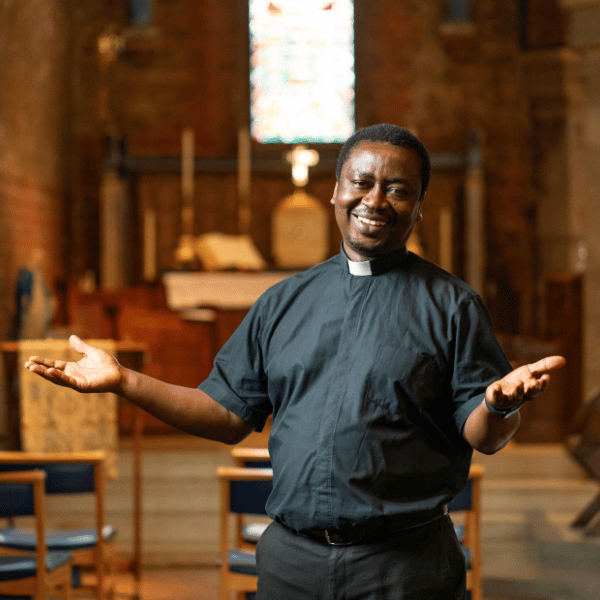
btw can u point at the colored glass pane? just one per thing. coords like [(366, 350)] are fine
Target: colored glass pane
[(301, 70)]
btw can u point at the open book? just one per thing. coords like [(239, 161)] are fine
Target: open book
[(222, 252)]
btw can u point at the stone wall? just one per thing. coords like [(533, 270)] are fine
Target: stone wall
[(583, 147)]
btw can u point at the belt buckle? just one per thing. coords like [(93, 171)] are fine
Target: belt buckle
[(332, 543)]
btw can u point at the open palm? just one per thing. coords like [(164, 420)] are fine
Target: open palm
[(522, 384), (97, 371)]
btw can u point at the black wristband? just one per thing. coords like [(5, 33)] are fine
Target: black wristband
[(501, 413)]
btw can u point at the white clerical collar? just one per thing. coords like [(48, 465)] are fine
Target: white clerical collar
[(362, 269), (376, 266)]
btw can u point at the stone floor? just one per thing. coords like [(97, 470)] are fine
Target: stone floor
[(530, 550), (531, 495)]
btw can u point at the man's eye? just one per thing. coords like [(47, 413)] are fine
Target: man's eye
[(360, 183)]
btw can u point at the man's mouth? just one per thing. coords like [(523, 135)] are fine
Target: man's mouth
[(371, 222)]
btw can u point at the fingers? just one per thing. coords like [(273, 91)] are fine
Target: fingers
[(504, 395), (51, 374), (546, 364), (79, 345), (494, 391), (46, 362)]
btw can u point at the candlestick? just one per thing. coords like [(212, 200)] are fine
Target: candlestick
[(244, 176), (446, 238), (187, 165), (149, 244)]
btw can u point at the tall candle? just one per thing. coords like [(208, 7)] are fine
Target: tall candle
[(244, 175), (476, 258), (187, 165), (445, 237), (149, 244)]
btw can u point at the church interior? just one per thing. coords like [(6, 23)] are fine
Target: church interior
[(141, 206)]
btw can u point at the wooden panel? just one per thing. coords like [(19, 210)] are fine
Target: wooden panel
[(179, 352), (547, 418), (564, 322), (543, 24)]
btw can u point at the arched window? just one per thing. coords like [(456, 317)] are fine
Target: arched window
[(301, 70)]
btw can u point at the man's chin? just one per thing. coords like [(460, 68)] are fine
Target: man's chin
[(366, 250)]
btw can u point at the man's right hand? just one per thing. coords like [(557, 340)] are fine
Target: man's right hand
[(97, 371)]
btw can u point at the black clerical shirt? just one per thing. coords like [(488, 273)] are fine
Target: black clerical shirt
[(370, 371)]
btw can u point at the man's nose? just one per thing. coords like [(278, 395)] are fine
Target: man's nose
[(375, 198)]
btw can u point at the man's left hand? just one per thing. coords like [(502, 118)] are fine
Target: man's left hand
[(522, 384)]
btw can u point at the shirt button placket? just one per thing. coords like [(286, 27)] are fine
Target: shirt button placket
[(356, 291)]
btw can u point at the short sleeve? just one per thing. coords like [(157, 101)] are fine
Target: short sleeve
[(237, 380), (478, 358)]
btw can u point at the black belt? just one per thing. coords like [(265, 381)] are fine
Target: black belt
[(371, 530)]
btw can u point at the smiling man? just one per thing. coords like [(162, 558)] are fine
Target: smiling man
[(382, 373), (378, 197)]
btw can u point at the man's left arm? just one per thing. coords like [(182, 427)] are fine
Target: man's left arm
[(492, 424)]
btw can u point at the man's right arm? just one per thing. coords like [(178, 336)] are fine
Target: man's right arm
[(188, 409)]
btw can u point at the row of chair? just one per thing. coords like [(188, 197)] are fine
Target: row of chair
[(34, 563), (245, 488), (83, 559)]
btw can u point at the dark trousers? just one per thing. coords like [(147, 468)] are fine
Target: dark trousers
[(422, 563)]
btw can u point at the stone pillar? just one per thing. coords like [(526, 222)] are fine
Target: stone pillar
[(583, 141)]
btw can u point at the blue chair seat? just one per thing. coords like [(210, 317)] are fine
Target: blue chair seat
[(21, 567), (75, 539), (242, 562), (467, 554), (252, 532), (460, 532)]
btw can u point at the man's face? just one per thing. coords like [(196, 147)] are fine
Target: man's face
[(377, 199)]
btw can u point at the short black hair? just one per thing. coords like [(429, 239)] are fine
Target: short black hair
[(389, 134)]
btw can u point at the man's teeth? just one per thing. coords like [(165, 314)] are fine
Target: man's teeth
[(370, 221)]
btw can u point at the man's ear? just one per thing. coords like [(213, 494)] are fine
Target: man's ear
[(420, 213), (334, 193)]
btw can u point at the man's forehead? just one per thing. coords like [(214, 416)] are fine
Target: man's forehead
[(366, 152)]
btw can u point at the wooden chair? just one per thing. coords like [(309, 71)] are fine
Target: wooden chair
[(468, 528), (31, 575), (246, 533), (93, 548), (243, 491), (251, 457)]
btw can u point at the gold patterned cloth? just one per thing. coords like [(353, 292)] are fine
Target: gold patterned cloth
[(54, 418)]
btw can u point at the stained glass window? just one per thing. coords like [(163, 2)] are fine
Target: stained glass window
[(301, 70)]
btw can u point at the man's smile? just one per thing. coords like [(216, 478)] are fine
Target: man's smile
[(371, 222)]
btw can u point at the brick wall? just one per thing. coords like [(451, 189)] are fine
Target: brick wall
[(34, 103)]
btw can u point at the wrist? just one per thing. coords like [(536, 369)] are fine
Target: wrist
[(122, 382), (501, 414)]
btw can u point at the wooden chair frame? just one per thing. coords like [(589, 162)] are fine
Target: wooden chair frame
[(242, 456), (247, 458), (472, 530), (45, 580), (229, 581), (96, 562)]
